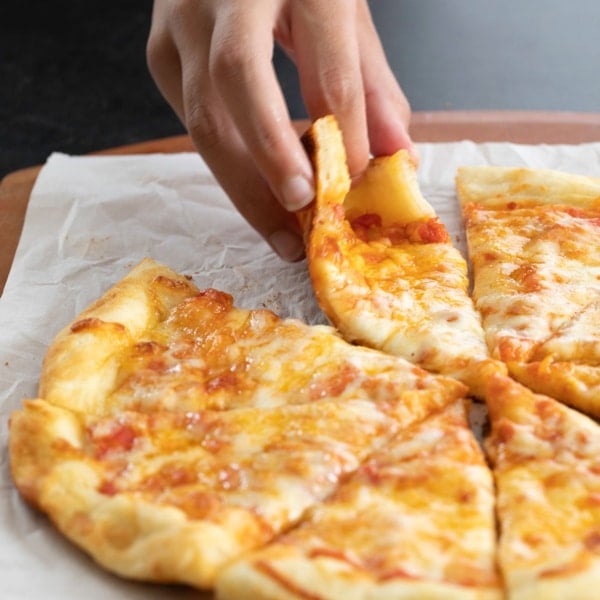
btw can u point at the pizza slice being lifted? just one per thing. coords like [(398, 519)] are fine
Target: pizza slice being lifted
[(382, 265), (534, 243), (175, 432), (415, 521)]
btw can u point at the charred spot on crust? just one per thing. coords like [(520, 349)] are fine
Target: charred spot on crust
[(94, 324), (169, 282)]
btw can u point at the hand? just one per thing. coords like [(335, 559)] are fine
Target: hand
[(212, 61)]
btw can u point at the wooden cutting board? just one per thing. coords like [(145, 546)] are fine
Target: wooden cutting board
[(513, 126)]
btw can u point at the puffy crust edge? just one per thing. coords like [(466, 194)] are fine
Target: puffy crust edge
[(81, 364), (493, 186)]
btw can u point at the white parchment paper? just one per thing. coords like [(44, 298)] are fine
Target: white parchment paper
[(89, 221)]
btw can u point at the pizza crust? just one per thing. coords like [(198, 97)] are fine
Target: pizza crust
[(574, 384), (494, 186), (81, 365)]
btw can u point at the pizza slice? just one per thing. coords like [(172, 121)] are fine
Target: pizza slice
[(415, 521), (546, 464), (382, 265), (174, 431), (534, 243)]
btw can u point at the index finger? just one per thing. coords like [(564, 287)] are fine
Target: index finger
[(242, 70), (326, 49)]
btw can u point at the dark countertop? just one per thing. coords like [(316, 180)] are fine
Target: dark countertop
[(74, 79), (73, 75)]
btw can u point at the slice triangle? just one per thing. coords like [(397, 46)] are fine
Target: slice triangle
[(534, 243), (382, 265), (184, 431), (415, 521), (547, 472)]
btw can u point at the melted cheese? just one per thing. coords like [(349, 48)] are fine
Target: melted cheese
[(576, 340), (535, 270), (548, 489), (217, 429), (241, 359), (427, 494)]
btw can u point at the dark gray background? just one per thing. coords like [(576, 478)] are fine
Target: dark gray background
[(73, 76)]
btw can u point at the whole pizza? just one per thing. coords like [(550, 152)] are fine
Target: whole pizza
[(179, 438)]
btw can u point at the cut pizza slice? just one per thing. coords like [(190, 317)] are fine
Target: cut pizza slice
[(415, 521), (175, 432), (382, 265), (546, 464), (534, 243), (155, 342)]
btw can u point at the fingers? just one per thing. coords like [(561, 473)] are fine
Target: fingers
[(179, 59), (162, 58), (241, 68), (326, 51), (387, 108), (212, 60), (343, 70)]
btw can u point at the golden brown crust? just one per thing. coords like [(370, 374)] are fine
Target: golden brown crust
[(33, 445), (497, 187), (574, 384), (81, 364)]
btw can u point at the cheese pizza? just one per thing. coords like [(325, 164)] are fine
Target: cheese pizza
[(382, 264), (534, 244), (415, 521), (546, 459), (174, 432), (178, 438)]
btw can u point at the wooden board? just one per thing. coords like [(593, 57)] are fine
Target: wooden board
[(512, 126)]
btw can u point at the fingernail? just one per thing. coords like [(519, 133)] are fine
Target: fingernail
[(287, 244), (297, 192)]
